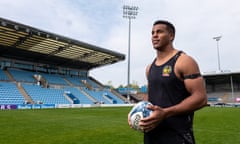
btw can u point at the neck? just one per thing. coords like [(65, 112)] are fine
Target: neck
[(168, 52)]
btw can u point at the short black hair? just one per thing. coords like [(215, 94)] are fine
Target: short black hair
[(169, 25)]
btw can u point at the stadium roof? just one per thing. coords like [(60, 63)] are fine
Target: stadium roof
[(222, 77), (21, 42)]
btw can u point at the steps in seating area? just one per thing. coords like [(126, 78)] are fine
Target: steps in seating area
[(71, 97)]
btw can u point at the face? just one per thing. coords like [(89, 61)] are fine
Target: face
[(161, 37)]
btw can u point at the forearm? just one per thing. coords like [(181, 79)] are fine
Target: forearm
[(189, 104)]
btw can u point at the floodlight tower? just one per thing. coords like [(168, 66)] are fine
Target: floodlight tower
[(218, 39), (129, 12)]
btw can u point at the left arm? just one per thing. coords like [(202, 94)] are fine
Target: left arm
[(195, 86), (195, 101)]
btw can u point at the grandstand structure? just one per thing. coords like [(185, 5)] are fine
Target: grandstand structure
[(43, 68), (223, 87)]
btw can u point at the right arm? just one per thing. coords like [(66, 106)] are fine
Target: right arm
[(147, 72)]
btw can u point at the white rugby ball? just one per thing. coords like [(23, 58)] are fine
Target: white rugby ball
[(138, 112)]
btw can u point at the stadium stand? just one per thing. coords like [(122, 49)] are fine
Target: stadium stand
[(58, 89), (39, 67), (21, 75), (54, 79), (45, 95), (222, 87)]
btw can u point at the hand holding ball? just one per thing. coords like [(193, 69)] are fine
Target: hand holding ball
[(138, 112)]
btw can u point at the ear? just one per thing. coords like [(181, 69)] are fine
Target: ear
[(172, 36)]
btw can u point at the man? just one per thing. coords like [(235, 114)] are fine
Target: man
[(175, 88)]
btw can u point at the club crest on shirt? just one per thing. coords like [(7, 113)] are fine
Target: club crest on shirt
[(166, 71)]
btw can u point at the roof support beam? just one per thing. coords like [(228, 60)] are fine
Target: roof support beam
[(22, 40)]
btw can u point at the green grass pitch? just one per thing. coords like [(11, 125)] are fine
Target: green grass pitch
[(106, 126)]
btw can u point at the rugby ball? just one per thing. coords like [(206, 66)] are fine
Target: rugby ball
[(138, 112)]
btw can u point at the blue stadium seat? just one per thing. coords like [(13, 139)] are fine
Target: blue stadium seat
[(3, 76), (9, 94), (55, 93)]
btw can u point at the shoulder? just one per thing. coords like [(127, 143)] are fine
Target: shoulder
[(186, 59), (186, 65), (148, 69)]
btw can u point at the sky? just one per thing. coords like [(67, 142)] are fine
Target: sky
[(101, 23)]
